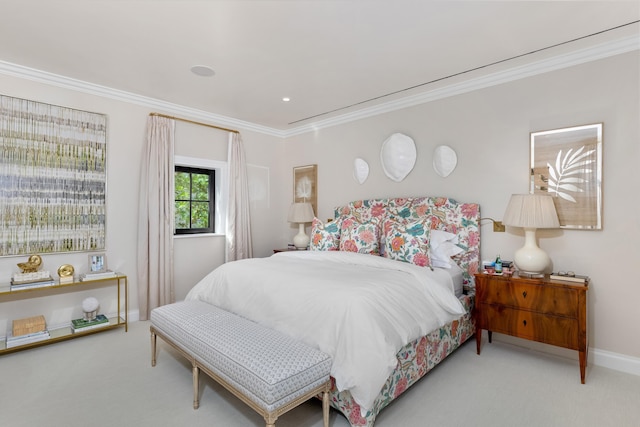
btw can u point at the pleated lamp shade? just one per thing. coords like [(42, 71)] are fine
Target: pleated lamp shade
[(531, 211)]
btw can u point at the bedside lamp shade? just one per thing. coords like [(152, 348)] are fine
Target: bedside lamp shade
[(531, 211), (300, 213)]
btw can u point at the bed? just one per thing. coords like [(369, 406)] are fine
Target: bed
[(386, 319)]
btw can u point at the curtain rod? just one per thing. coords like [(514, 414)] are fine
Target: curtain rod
[(194, 122)]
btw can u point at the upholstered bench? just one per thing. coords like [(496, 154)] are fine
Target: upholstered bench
[(268, 370)]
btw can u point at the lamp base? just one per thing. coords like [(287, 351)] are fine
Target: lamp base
[(301, 240), (530, 259)]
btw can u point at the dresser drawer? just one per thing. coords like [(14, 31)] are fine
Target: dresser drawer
[(545, 299), (556, 330)]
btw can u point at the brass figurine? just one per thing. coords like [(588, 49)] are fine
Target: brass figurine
[(32, 265)]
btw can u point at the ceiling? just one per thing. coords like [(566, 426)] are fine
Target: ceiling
[(332, 58)]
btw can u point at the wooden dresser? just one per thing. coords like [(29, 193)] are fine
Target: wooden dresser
[(552, 312)]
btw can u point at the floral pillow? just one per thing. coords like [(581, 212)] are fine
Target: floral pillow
[(408, 242), (324, 237), (359, 237)]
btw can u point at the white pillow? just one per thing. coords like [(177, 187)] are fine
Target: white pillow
[(442, 246)]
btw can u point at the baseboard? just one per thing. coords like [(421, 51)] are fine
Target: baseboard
[(597, 357), (616, 361)]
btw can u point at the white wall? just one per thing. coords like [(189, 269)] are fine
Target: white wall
[(125, 138), (489, 129)]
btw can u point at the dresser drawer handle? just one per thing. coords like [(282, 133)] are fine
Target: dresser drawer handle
[(524, 294), (524, 322)]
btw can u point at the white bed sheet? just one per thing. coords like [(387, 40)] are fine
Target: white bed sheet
[(360, 309)]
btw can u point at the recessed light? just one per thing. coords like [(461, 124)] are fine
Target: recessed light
[(286, 99), (202, 70)]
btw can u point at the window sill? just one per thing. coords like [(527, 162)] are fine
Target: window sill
[(187, 236)]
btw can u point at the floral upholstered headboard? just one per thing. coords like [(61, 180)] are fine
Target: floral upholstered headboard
[(461, 219)]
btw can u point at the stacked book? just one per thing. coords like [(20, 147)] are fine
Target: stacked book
[(31, 280), (27, 331), (98, 276), (569, 277), (81, 325)]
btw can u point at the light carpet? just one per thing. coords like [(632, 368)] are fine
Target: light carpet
[(106, 379)]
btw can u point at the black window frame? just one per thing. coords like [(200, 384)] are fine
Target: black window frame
[(212, 196)]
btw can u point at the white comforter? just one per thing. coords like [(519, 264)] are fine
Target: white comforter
[(360, 309)]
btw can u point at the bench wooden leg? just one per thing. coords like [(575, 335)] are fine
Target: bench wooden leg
[(325, 408), (270, 419), (153, 348), (196, 386)]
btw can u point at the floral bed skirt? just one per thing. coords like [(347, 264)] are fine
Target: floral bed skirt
[(414, 361)]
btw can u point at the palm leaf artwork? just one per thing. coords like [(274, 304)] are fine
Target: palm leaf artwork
[(304, 188), (562, 179)]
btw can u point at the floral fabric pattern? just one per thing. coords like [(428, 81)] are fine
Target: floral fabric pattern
[(356, 236), (324, 237), (407, 242), (419, 357), (413, 361), (445, 214)]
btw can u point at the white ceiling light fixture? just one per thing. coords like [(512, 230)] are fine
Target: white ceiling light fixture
[(286, 99), (202, 70)]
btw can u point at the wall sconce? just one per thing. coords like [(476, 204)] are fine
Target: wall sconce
[(498, 226)]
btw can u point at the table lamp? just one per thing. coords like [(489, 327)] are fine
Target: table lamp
[(300, 213), (531, 211)]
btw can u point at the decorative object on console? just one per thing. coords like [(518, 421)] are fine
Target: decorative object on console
[(97, 263), (30, 276), (360, 170), (567, 164), (398, 156), (531, 211), (569, 276), (300, 213), (81, 325), (26, 331), (108, 274), (65, 272), (90, 308), (445, 160), (32, 265)]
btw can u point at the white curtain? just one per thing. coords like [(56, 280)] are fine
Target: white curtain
[(156, 218), (238, 217)]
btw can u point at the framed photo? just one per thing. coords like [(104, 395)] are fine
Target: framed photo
[(97, 263), (567, 164), (305, 185)]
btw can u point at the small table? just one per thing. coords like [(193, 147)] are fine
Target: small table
[(275, 251), (548, 311)]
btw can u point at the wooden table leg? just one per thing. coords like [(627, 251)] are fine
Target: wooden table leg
[(583, 365)]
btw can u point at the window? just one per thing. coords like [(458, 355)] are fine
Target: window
[(194, 200), (218, 170)]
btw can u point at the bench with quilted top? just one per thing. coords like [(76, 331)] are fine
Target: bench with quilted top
[(268, 370)]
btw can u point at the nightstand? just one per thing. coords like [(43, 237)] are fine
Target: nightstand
[(544, 310), (275, 251)]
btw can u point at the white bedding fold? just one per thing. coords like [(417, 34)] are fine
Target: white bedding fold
[(360, 309)]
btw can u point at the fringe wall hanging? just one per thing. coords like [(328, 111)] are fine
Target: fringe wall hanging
[(52, 178)]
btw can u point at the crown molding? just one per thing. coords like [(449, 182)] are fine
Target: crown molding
[(601, 51), (39, 76)]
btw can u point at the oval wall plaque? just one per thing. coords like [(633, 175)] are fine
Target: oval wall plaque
[(398, 156)]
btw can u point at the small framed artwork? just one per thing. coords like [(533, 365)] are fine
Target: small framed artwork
[(97, 263), (305, 185), (567, 164)]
